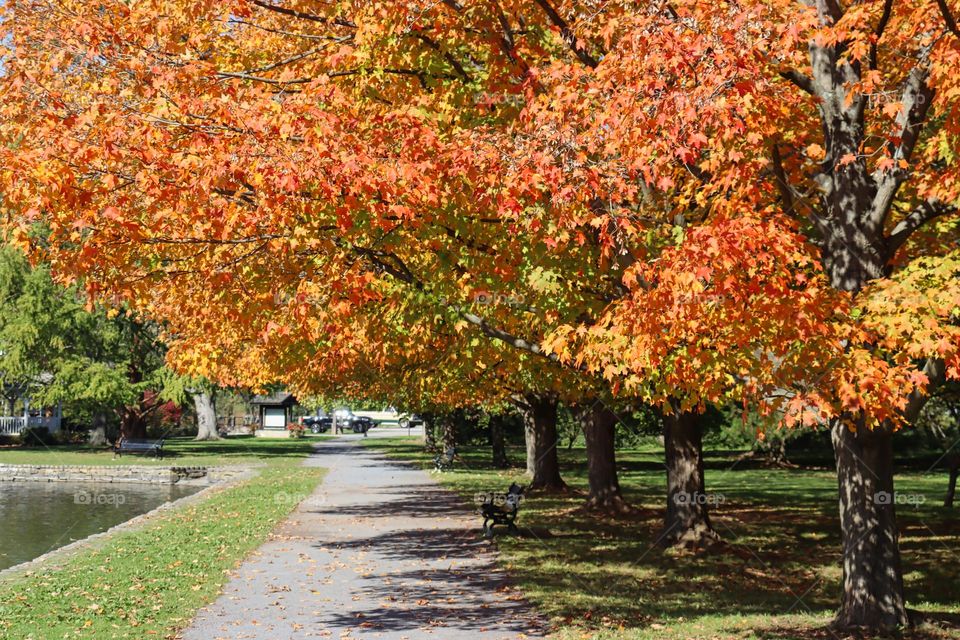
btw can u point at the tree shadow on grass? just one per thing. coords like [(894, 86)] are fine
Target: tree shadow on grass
[(780, 566)]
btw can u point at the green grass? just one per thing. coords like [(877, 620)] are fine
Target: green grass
[(179, 451), (777, 576), (150, 581)]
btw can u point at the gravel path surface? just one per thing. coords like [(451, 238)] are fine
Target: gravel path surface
[(378, 551)]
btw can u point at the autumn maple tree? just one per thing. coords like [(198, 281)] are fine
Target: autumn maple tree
[(692, 202)]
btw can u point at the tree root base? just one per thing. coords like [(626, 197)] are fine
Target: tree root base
[(693, 539), (547, 487), (612, 505)]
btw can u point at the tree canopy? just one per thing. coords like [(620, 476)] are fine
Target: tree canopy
[(682, 202)]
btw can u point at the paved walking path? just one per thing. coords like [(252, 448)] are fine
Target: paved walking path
[(378, 551)]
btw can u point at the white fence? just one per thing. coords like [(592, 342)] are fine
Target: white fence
[(13, 425)]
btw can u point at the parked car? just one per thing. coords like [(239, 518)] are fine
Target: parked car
[(410, 420), (346, 421), (362, 424), (318, 424)]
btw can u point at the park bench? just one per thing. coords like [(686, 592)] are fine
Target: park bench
[(443, 461), (500, 508), (147, 447)]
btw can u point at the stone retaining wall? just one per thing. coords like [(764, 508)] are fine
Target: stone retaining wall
[(141, 474)]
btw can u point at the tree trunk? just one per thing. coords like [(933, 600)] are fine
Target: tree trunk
[(206, 416), (429, 432), (98, 433), (872, 594), (599, 428), (11, 406), (687, 522), (498, 443), (952, 486), (132, 424), (540, 432), (448, 424)]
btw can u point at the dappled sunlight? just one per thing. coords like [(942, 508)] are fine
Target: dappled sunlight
[(776, 574)]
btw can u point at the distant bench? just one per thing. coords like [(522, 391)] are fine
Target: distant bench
[(500, 508), (445, 460), (146, 447)]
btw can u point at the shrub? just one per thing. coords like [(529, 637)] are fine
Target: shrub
[(296, 430), (36, 437)]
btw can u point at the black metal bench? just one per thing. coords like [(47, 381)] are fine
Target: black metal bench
[(146, 447), (443, 461), (500, 508)]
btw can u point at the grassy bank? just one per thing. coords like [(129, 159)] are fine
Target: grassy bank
[(180, 451), (149, 582), (777, 576)]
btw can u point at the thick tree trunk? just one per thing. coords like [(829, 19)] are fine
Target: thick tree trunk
[(687, 522), (448, 425), (872, 594), (132, 425), (599, 428), (206, 416), (498, 444), (429, 432), (856, 205), (952, 485), (11, 406), (540, 432)]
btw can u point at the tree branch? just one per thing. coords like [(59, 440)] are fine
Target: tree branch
[(878, 32), (935, 370), (567, 34), (503, 336), (336, 74), (340, 22), (948, 17), (446, 54), (916, 97), (798, 79), (783, 185), (924, 213), (293, 58)]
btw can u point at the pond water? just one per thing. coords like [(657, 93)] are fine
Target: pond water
[(37, 517)]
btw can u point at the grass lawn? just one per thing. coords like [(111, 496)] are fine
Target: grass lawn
[(149, 582), (179, 451), (777, 578)]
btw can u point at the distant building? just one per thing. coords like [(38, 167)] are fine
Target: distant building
[(274, 412)]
